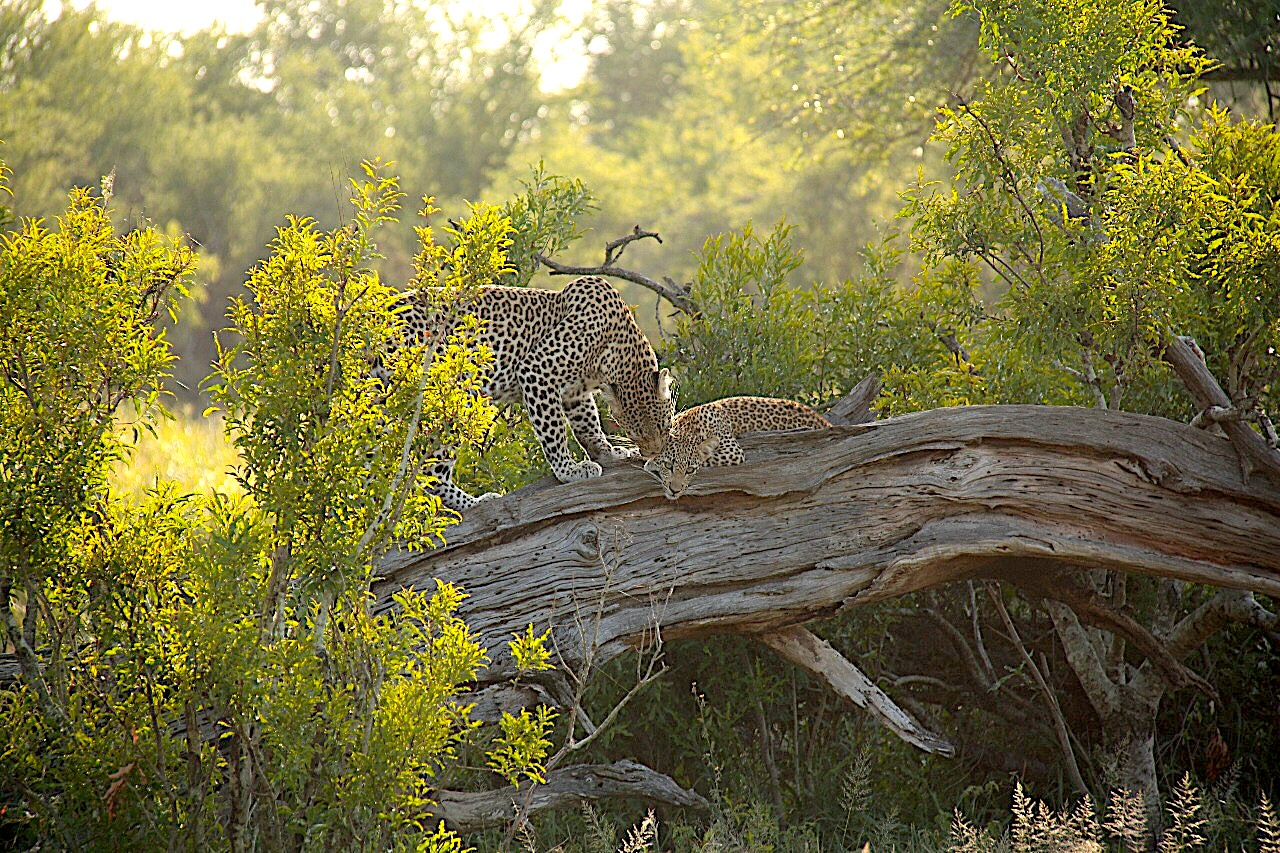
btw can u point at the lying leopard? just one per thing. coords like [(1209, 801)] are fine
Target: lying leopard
[(552, 351), (707, 435)]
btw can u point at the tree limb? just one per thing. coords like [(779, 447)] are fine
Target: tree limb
[(1084, 660), (1090, 607), (1188, 362), (1050, 698), (816, 656), (855, 407), (1225, 607)]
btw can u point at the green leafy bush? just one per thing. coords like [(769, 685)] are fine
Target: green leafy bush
[(206, 671)]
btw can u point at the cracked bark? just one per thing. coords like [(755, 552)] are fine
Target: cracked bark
[(820, 522)]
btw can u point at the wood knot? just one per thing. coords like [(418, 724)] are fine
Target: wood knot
[(1154, 471), (586, 543)]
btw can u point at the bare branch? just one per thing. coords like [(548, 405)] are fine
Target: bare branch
[(1050, 698), (674, 293), (976, 672), (571, 746), (1011, 182), (976, 627), (855, 407), (1225, 607), (614, 248), (818, 657), (1187, 360)]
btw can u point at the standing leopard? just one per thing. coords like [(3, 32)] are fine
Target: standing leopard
[(552, 350), (707, 435)]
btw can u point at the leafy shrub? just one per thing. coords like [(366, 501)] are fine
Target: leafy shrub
[(206, 671)]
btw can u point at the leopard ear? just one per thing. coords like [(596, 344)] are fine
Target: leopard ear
[(708, 446), (662, 381)]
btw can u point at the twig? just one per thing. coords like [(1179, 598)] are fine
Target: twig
[(1010, 180), (977, 633), (1215, 415), (929, 680), (975, 669), (575, 745), (1051, 700), (614, 248)]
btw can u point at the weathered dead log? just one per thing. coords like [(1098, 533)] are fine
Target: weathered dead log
[(568, 787), (823, 521), (820, 522)]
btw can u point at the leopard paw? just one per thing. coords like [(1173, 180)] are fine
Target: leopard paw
[(579, 471), (618, 453)]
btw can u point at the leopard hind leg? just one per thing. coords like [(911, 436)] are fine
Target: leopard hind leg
[(727, 452)]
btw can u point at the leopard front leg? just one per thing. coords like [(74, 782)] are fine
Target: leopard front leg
[(545, 407), (584, 417)]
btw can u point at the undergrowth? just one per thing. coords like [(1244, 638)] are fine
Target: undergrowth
[(1193, 820)]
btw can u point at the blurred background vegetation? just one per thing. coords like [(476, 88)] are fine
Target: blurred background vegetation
[(768, 143)]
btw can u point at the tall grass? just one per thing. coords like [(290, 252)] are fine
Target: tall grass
[(188, 449)]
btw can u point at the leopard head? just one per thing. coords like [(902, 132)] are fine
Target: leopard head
[(644, 407), (676, 464)]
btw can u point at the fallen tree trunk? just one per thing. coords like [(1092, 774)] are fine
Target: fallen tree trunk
[(819, 522)]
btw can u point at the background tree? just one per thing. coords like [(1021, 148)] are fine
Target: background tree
[(1242, 37)]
